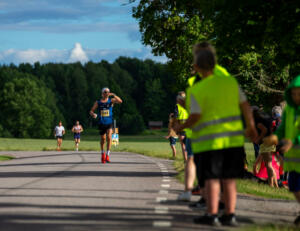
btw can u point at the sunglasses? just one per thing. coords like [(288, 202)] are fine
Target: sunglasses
[(106, 92)]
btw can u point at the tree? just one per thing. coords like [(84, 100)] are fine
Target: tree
[(154, 98), (79, 107), (23, 108), (69, 90), (238, 29)]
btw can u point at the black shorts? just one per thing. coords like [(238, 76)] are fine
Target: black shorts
[(172, 140), (59, 137), (222, 164), (103, 128)]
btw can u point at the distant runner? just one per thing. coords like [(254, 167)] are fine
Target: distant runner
[(77, 129), (59, 131), (105, 120)]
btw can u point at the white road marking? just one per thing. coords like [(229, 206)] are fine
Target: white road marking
[(161, 210), (161, 199), (165, 185), (163, 192), (161, 224)]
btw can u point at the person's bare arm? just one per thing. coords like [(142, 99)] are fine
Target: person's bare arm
[(81, 128), (263, 133), (190, 122), (258, 160), (115, 99), (73, 129), (64, 132), (250, 126), (95, 106)]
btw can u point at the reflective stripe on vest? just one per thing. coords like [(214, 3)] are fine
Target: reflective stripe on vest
[(214, 122), (218, 135)]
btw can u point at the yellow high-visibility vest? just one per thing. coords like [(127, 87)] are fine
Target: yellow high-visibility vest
[(182, 114), (218, 70), (220, 125), (292, 130)]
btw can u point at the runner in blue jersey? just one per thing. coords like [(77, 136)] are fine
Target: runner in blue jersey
[(104, 108)]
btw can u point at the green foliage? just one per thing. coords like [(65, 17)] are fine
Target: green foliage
[(66, 92), (258, 41), (4, 157), (23, 108)]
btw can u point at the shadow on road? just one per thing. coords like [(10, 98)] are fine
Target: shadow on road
[(82, 173)]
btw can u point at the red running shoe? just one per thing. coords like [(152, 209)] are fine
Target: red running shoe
[(103, 158), (107, 159)]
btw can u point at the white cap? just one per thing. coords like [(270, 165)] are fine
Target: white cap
[(105, 88)]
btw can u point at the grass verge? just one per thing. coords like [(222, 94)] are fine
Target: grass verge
[(269, 227), (4, 157)]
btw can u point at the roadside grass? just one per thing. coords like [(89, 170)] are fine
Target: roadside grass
[(150, 143), (4, 157), (270, 227)]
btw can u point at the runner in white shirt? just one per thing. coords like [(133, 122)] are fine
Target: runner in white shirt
[(59, 131)]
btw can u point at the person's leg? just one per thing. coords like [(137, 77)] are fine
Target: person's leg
[(102, 142), (77, 144), (294, 186), (256, 150), (297, 196), (75, 140), (212, 188), (297, 220), (199, 174), (229, 187), (190, 172), (272, 179), (108, 142), (183, 149), (59, 142), (173, 150)]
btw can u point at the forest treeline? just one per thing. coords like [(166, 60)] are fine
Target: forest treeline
[(35, 97)]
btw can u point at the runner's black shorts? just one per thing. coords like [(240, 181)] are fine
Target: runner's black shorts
[(103, 128), (221, 164)]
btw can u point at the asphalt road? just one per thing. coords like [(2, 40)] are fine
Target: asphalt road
[(74, 191)]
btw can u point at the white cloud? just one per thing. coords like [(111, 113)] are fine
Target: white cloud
[(32, 56), (74, 55), (78, 54)]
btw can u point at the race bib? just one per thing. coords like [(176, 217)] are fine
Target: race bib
[(105, 113)]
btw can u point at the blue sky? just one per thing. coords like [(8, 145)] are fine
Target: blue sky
[(68, 30)]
